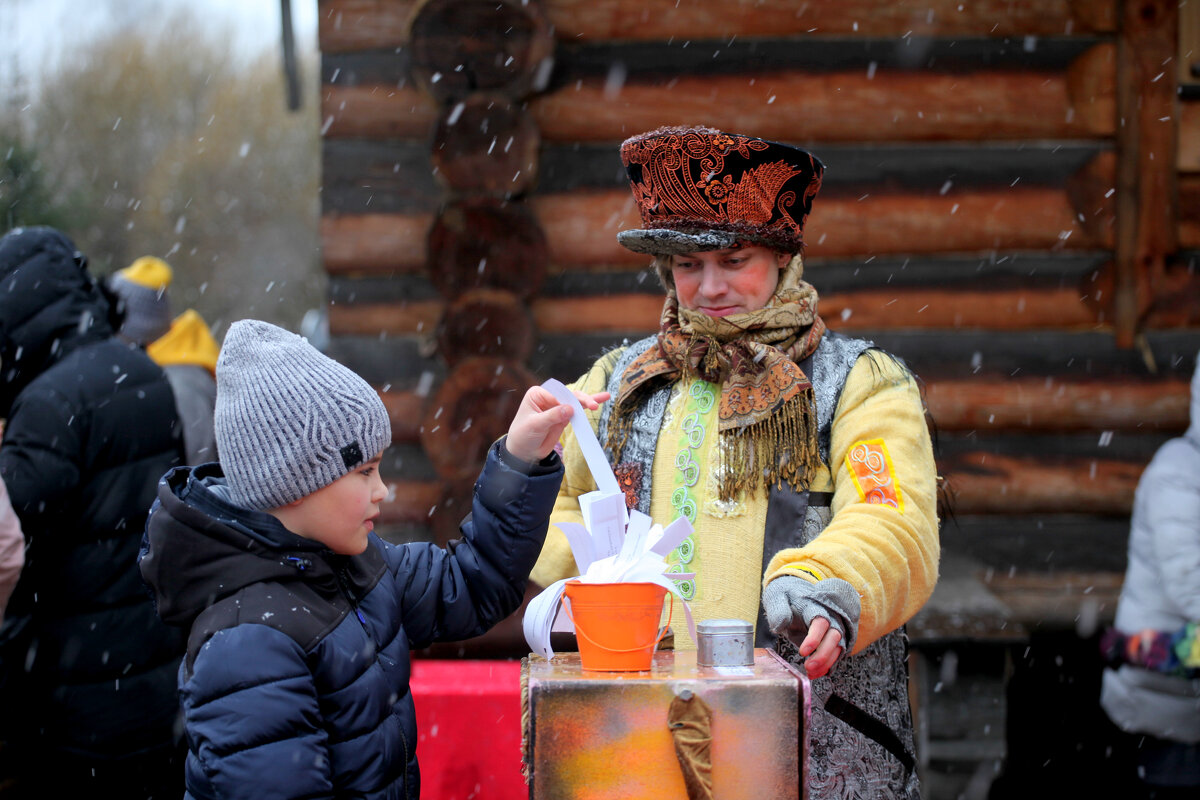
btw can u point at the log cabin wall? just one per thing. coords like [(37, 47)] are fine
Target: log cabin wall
[(1011, 203)]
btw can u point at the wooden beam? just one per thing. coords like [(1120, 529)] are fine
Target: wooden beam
[(1147, 211), (1054, 404), (350, 25), (987, 483)]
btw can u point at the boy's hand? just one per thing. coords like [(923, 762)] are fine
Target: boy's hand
[(540, 420)]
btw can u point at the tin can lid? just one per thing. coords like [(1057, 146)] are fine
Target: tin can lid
[(719, 626)]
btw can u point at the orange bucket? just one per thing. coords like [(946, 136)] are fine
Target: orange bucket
[(616, 624)]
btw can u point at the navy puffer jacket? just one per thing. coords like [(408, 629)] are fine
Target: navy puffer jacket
[(85, 665), (296, 679)]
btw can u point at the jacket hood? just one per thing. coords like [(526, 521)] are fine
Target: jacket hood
[(49, 305), (1193, 431), (200, 548)]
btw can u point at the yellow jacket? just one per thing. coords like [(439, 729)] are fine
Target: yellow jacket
[(889, 554)]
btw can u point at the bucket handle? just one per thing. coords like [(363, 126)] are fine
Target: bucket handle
[(661, 631)]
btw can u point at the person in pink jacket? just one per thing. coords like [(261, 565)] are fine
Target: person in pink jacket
[(12, 549)]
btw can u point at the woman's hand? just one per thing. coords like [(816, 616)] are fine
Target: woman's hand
[(540, 421), (821, 648)]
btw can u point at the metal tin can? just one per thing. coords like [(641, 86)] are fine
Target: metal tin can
[(724, 643)]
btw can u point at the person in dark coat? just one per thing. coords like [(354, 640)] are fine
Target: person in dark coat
[(296, 679), (87, 670)]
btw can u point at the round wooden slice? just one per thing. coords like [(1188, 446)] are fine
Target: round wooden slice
[(487, 243), (486, 322), (472, 409), (464, 46), (485, 144)]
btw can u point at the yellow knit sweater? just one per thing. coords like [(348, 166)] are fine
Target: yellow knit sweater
[(890, 555)]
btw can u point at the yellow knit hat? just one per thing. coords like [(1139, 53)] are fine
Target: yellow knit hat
[(148, 271), (142, 289)]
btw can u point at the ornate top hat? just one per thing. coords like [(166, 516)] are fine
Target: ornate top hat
[(702, 189)]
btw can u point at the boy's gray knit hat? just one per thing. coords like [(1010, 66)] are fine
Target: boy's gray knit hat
[(289, 420)]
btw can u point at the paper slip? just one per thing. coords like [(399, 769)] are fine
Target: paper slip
[(613, 545)]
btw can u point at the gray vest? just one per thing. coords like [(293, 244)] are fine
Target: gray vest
[(861, 735)]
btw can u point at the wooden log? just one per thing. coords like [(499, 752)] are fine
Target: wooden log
[(842, 105), (348, 25), (373, 319), (581, 227), (374, 243), (1146, 145), (1189, 137), (1091, 192), (410, 502), (462, 46), (1189, 211), (1177, 297), (986, 404), (471, 409), (486, 322), (376, 112), (405, 410), (487, 243), (868, 309), (987, 483), (485, 144), (1060, 599), (1016, 309), (839, 106), (1053, 404)]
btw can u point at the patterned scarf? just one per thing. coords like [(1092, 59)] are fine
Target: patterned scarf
[(767, 420)]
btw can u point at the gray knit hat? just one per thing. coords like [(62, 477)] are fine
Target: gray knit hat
[(142, 287), (290, 420)]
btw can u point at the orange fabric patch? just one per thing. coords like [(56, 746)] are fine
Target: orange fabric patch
[(871, 468)]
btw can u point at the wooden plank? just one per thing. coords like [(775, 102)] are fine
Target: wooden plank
[(1044, 404), (837, 107), (987, 483), (375, 243), (1147, 184), (374, 319), (347, 25)]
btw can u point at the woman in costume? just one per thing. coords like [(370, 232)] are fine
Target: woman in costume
[(801, 457)]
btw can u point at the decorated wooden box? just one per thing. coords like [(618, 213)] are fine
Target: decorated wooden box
[(676, 732)]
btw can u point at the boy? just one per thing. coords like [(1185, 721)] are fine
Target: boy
[(295, 683)]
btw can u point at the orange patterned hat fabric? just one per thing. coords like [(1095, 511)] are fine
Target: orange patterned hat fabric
[(702, 189)]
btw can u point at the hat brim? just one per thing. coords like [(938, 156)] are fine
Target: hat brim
[(665, 242)]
